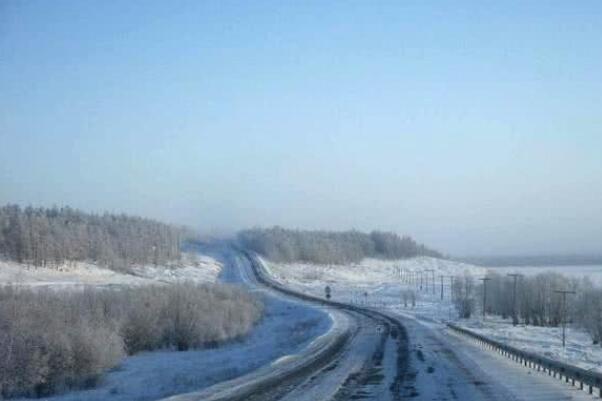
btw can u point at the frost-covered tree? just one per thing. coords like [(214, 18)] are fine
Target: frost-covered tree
[(50, 237), (463, 295), (327, 247)]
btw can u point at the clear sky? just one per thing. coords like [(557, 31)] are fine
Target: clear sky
[(474, 126)]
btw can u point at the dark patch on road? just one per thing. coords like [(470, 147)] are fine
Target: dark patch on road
[(330, 367)]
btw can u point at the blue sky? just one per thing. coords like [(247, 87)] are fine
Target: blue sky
[(474, 126)]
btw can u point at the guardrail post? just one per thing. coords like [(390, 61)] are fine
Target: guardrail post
[(561, 371)]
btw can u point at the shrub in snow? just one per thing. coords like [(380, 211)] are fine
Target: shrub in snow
[(52, 341)]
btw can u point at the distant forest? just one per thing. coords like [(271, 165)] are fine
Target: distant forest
[(534, 260), (53, 236), (327, 247)]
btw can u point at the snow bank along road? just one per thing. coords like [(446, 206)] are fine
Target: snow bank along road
[(375, 355), (362, 356)]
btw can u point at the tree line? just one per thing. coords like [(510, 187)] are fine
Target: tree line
[(330, 247), (533, 300), (53, 236)]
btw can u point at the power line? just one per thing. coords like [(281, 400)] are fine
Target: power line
[(564, 292), (427, 282), (451, 279)]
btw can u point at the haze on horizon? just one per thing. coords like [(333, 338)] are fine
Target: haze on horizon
[(474, 127)]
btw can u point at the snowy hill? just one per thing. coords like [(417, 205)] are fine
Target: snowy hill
[(193, 266), (369, 274)]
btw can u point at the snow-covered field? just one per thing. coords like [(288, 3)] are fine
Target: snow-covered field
[(546, 341), (192, 267), (381, 278), (378, 283)]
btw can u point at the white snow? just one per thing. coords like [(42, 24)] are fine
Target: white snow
[(380, 280), (286, 329), (546, 341), (193, 267), (374, 275)]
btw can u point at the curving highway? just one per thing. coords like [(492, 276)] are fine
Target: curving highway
[(369, 354)]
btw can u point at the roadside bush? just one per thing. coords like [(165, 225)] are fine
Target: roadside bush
[(51, 341), (46, 347)]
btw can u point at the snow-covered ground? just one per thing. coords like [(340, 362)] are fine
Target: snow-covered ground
[(286, 329), (546, 341), (193, 267), (381, 278), (380, 284)]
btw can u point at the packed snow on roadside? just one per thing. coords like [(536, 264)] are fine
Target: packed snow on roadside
[(546, 341), (378, 283), (192, 267)]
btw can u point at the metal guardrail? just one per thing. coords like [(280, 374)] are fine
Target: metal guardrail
[(396, 329), (248, 389), (263, 278), (569, 373)]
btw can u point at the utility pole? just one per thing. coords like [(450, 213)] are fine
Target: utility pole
[(484, 280), (427, 281), (564, 292), (451, 282), (514, 317), (451, 294)]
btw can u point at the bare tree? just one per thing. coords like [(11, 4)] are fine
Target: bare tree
[(463, 295)]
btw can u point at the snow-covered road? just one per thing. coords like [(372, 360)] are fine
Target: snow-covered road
[(387, 358), (441, 364), (446, 366), (365, 364)]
